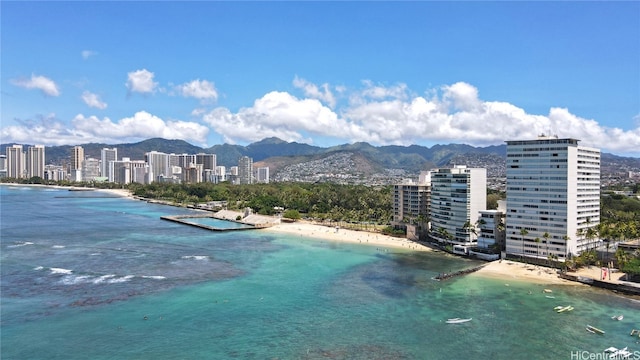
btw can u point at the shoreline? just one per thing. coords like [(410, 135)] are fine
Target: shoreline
[(511, 270), (326, 233), (499, 269), (118, 192)]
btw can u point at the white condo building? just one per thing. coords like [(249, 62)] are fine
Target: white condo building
[(457, 196), (553, 193), (35, 161), (106, 157), (411, 206)]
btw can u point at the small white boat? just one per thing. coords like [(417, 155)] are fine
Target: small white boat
[(595, 330), (619, 317), (610, 350), (550, 297), (548, 290), (566, 308), (620, 354), (458, 320)]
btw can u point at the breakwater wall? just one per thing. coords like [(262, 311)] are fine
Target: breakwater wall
[(445, 276), (183, 219)]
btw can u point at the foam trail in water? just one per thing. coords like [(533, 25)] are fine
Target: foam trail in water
[(60, 271), (196, 257)]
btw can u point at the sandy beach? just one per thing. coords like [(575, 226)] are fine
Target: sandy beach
[(343, 235), (511, 270), (117, 192)]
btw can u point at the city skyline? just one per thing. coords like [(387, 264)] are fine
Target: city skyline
[(321, 73)]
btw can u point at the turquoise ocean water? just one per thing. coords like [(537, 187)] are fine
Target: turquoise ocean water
[(88, 276)]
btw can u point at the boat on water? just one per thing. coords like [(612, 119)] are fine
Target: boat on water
[(566, 308), (548, 290), (550, 297), (458, 320), (594, 330), (618, 317), (615, 353)]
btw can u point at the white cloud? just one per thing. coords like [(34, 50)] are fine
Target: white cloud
[(44, 84), (313, 91), (88, 53), (142, 125), (393, 115), (378, 114), (276, 114), (199, 89), (93, 100), (141, 81)]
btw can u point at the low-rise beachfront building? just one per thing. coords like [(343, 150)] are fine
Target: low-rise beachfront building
[(458, 195), (490, 229), (411, 207), (553, 198)]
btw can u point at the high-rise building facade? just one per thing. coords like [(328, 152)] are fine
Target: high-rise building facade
[(411, 207), (106, 157), (16, 164), (35, 161), (77, 160), (159, 167), (553, 196), (90, 169), (245, 170), (262, 175), (457, 196)]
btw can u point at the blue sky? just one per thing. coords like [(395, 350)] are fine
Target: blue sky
[(323, 73)]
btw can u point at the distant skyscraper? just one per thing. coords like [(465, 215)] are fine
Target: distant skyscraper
[(262, 175), (106, 157), (159, 167), (553, 187), (15, 162), (245, 170), (208, 162), (77, 159), (3, 165), (35, 161), (90, 169)]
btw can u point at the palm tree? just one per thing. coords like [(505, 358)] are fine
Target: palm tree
[(523, 233), (537, 240), (546, 240), (566, 239), (470, 229)]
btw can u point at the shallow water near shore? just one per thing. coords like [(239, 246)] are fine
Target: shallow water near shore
[(85, 277)]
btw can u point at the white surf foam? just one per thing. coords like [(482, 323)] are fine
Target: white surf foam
[(156, 277), (20, 244), (75, 279), (60, 271), (120, 279), (103, 278), (196, 257)]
